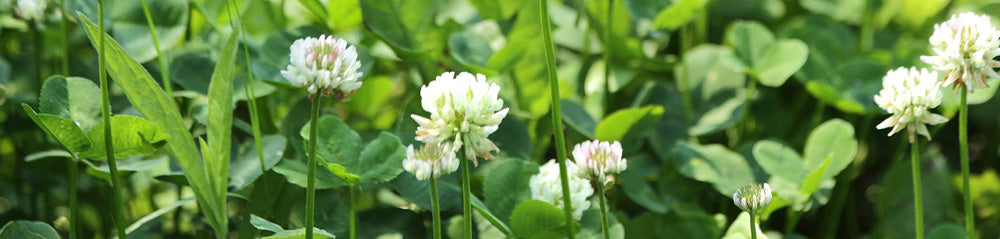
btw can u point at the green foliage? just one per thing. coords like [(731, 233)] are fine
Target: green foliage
[(280, 233), (507, 185), (72, 98), (537, 219), (741, 228), (132, 136), (806, 181), (683, 99), (27, 230), (724, 169), (340, 148)]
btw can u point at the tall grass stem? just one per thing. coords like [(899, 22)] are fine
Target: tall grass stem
[(557, 129), (164, 68), (109, 149)]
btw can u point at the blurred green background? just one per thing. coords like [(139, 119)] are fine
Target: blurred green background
[(702, 94)]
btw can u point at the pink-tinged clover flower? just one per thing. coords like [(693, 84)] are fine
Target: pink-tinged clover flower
[(599, 160)]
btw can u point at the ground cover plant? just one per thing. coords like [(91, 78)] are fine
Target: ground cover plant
[(499, 119)]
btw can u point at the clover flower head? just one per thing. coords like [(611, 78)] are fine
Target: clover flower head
[(753, 198), (430, 160), (964, 47), (546, 186), (465, 110), (599, 160), (31, 9), (324, 65), (909, 94)]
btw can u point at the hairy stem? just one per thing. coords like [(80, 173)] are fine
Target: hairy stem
[(963, 142), (604, 211), (466, 199), (352, 221), (435, 210), (311, 172), (560, 140), (918, 201)]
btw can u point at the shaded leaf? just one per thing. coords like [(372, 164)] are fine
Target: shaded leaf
[(71, 98), (131, 136)]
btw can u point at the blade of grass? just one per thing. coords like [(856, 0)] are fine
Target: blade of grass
[(164, 70), (118, 204), (248, 89), (560, 144)]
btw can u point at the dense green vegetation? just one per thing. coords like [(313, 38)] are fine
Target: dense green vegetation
[(210, 138)]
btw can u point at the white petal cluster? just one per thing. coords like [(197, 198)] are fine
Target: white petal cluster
[(546, 186), (599, 160), (909, 94), (465, 110), (31, 9), (752, 198), (430, 161), (324, 65), (964, 47)]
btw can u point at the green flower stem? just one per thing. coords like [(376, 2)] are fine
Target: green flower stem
[(963, 142), (604, 211), (164, 70), (466, 199), (557, 129), (918, 201), (74, 174), (311, 172), (109, 149), (436, 209), (753, 226), (793, 219), (352, 221)]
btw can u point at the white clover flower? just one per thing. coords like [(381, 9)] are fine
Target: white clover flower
[(31, 9), (752, 198), (908, 94), (546, 186), (964, 47), (599, 160), (430, 161), (465, 110), (324, 65)]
